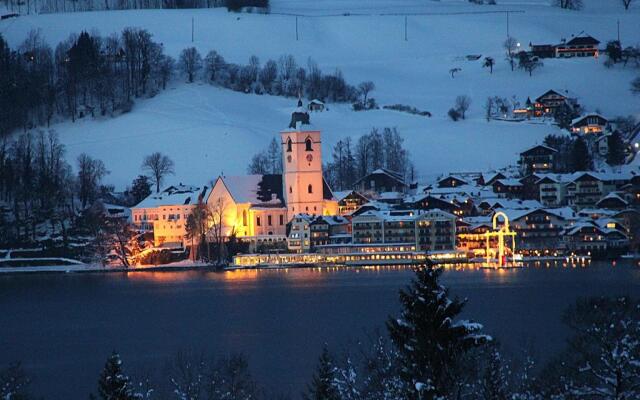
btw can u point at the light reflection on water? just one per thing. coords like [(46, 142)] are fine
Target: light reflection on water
[(280, 317)]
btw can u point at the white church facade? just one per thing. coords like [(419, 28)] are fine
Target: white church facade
[(258, 207)]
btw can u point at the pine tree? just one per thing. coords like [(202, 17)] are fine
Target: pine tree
[(580, 156), (430, 343), (113, 383), (615, 156), (140, 189), (495, 377), (323, 385)]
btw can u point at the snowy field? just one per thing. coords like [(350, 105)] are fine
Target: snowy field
[(207, 130)]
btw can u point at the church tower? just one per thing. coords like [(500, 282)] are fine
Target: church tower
[(302, 165)]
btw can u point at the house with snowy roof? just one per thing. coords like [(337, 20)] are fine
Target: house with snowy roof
[(349, 201), (257, 208), (538, 159), (579, 46), (381, 180), (591, 123), (539, 228), (166, 213), (550, 102)]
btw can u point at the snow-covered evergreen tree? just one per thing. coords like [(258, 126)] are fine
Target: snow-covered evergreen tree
[(429, 340), (113, 383), (323, 385), (13, 383), (494, 383), (603, 358)]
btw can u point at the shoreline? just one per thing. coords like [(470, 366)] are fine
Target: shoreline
[(92, 269)]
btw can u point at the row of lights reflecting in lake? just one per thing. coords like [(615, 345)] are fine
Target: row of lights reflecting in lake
[(254, 273)]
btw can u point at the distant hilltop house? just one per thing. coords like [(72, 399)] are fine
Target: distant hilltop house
[(589, 124), (553, 100), (315, 105), (579, 46)]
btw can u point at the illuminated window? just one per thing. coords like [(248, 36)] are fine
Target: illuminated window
[(289, 142)]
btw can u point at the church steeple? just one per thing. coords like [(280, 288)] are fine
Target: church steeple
[(300, 115)]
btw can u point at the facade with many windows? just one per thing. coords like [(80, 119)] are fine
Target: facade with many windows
[(431, 230)]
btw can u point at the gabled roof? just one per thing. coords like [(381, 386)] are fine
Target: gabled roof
[(548, 92), (385, 172), (538, 146), (612, 196), (255, 189), (454, 177), (509, 182), (583, 40), (579, 119), (174, 195), (343, 194)]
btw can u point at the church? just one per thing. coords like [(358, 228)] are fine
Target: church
[(257, 208)]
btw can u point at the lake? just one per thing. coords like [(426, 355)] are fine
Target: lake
[(62, 327)]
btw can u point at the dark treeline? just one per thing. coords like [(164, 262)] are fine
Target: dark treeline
[(88, 74), (58, 208), (281, 77), (55, 6), (85, 75), (429, 353)]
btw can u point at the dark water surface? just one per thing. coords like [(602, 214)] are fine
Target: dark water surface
[(63, 326)]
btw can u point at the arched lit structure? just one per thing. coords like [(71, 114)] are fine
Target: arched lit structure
[(503, 251)]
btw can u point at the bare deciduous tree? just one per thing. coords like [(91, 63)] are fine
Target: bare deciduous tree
[(159, 166), (463, 103), (190, 62), (510, 45), (365, 88)]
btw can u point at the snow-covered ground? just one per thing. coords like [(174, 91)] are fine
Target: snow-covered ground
[(207, 130)]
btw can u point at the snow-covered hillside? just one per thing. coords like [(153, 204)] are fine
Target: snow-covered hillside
[(207, 130)]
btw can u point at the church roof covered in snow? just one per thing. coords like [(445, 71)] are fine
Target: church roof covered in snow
[(255, 189)]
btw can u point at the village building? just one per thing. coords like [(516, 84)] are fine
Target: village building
[(540, 229), (509, 188), (552, 101), (315, 105), (381, 180), (579, 46), (543, 50), (538, 159), (589, 124), (329, 230), (349, 201), (433, 230), (299, 238), (165, 213), (451, 181)]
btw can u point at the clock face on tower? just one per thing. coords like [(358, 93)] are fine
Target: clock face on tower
[(309, 157)]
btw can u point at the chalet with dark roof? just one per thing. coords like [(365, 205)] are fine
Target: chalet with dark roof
[(537, 159), (579, 46), (381, 180), (589, 124)]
